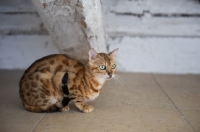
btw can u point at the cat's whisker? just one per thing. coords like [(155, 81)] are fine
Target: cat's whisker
[(116, 86), (119, 76), (116, 83), (121, 84), (120, 80)]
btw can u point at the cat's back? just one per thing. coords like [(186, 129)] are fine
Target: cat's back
[(50, 65), (53, 63)]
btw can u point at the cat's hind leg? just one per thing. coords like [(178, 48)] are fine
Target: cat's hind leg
[(65, 108), (58, 107), (65, 103)]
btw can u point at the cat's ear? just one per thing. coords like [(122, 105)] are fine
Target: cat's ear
[(114, 53), (93, 55)]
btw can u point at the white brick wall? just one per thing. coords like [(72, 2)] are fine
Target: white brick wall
[(158, 55), (152, 36), (19, 52)]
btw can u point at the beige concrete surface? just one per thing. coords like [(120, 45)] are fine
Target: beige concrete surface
[(140, 103)]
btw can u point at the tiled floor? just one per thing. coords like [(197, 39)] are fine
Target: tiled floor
[(142, 103)]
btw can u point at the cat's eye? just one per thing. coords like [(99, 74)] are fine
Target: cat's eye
[(102, 67), (113, 66)]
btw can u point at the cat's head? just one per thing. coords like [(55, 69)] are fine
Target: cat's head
[(101, 64)]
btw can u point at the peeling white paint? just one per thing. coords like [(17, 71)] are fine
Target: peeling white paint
[(74, 25)]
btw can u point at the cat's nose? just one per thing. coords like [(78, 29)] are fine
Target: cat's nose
[(110, 74)]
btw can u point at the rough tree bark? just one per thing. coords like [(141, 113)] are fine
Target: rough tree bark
[(75, 26)]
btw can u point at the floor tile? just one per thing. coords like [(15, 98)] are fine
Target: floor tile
[(116, 119), (137, 104), (9, 87), (13, 117), (10, 75), (178, 81), (135, 89), (193, 117), (184, 90)]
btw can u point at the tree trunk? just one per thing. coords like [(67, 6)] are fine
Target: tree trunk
[(75, 26)]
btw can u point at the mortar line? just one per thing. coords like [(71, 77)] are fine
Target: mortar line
[(114, 34), (19, 13), (37, 123), (166, 15), (153, 76)]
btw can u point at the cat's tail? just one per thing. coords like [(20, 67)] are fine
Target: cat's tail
[(39, 109)]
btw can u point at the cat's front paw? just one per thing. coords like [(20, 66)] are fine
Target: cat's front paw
[(87, 108)]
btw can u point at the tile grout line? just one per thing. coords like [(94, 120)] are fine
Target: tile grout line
[(153, 76), (37, 123)]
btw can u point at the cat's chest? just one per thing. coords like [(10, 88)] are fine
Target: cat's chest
[(100, 82), (93, 96)]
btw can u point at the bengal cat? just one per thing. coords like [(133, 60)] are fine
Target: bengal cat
[(54, 81)]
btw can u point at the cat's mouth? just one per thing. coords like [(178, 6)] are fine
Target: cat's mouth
[(109, 77)]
